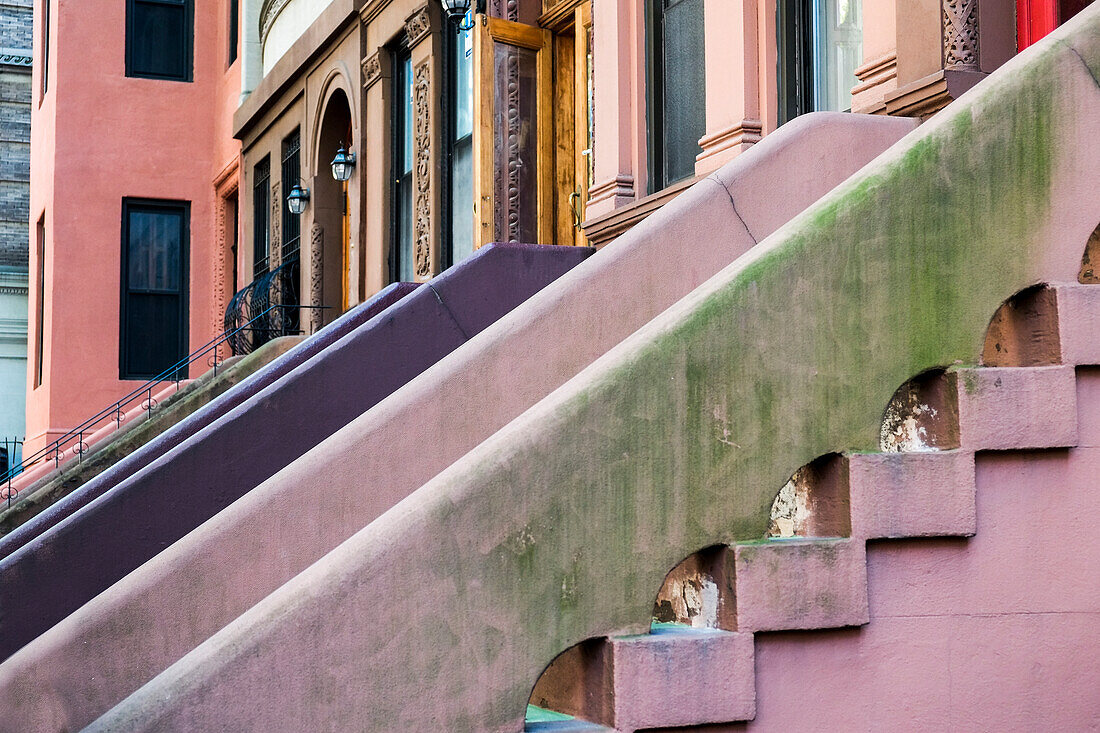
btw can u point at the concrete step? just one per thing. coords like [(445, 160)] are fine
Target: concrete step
[(789, 584)]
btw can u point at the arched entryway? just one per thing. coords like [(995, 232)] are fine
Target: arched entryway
[(331, 233)]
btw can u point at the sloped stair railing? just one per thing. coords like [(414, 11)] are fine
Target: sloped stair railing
[(71, 445), (270, 303)]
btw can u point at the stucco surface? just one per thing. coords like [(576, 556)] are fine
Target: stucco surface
[(188, 427), (54, 574), (140, 626), (562, 525)]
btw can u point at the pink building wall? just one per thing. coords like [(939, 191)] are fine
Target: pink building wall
[(995, 632), (99, 136)]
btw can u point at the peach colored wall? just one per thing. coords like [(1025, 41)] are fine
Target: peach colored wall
[(101, 137)]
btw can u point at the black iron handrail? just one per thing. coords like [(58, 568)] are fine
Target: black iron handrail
[(279, 287), (73, 440)]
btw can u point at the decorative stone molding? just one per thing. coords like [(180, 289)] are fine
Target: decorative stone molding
[(960, 34), (15, 57), (316, 276), (372, 69), (422, 180), (876, 78), (269, 11), (217, 313), (275, 256), (418, 25), (506, 9), (719, 147), (619, 189)]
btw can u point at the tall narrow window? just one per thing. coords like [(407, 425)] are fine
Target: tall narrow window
[(234, 28), (154, 286), (261, 204), (677, 89), (401, 250), (820, 46), (292, 226), (45, 46), (159, 39), (459, 135), (292, 234), (40, 300)]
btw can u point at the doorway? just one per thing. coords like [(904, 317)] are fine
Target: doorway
[(331, 214), (532, 138)]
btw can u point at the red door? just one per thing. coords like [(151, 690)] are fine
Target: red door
[(1036, 18)]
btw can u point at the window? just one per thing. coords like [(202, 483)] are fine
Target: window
[(459, 148), (292, 225), (677, 89), (820, 46), (45, 46), (234, 29), (292, 234), (154, 286), (261, 204), (40, 300), (401, 249), (159, 36)]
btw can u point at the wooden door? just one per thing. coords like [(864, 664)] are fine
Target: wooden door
[(513, 138)]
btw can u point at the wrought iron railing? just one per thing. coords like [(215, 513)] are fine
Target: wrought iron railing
[(71, 444), (274, 294)]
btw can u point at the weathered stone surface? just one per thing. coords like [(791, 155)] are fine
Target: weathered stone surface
[(800, 584), (912, 494), (683, 677), (1079, 306), (289, 522), (1010, 408), (562, 525)]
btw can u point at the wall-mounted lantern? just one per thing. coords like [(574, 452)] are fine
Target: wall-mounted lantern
[(342, 165), (458, 12), (297, 199)]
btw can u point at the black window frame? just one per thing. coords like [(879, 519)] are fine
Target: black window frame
[(129, 204), (794, 60), (399, 53), (189, 40), (659, 177), (234, 31), (45, 49), (261, 207), (291, 170), (40, 301)]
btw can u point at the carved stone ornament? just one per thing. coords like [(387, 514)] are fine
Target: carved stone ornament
[(316, 276), (372, 69), (217, 313), (418, 25), (507, 9), (268, 12), (276, 255), (422, 170), (960, 34)]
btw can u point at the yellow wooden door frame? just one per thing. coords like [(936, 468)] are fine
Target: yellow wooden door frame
[(486, 36)]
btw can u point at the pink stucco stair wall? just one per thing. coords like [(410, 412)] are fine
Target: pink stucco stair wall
[(297, 516), (442, 613), (54, 574)]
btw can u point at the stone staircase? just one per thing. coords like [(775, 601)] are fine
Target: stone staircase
[(554, 533), (699, 668), (448, 593), (289, 521)]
